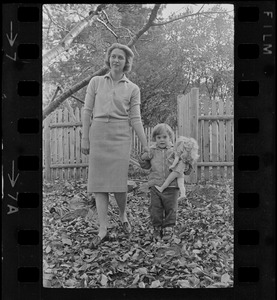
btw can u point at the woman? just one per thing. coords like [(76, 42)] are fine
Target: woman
[(114, 100)]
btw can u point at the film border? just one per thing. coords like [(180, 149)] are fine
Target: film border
[(254, 159)]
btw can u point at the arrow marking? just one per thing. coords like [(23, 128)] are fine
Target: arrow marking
[(12, 180), (11, 39)]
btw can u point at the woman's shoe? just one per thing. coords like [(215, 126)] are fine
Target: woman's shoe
[(96, 241), (126, 227)]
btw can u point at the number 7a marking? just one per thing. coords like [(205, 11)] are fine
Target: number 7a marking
[(13, 58), (14, 198)]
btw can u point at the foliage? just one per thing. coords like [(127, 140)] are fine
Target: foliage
[(189, 53), (169, 59), (201, 254)]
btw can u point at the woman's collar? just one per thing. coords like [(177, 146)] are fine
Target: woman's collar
[(124, 78)]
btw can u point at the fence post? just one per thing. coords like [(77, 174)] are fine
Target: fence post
[(47, 150), (194, 106), (179, 114)]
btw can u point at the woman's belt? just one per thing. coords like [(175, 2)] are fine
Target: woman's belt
[(109, 119)]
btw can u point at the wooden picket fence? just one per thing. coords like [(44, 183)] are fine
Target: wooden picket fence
[(211, 125), (62, 157)]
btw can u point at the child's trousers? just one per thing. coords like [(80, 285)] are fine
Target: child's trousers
[(163, 207)]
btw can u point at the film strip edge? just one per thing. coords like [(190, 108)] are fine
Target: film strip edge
[(254, 158), (254, 150), (21, 115)]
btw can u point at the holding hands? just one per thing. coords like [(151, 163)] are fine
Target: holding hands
[(146, 152)]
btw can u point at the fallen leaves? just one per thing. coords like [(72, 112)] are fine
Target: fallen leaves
[(141, 285), (183, 283), (67, 242), (104, 280), (155, 284), (200, 256)]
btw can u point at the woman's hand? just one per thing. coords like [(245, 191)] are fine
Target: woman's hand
[(146, 149), (85, 146), (144, 156), (146, 153)]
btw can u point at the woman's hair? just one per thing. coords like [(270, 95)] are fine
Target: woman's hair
[(191, 146), (161, 129), (128, 54)]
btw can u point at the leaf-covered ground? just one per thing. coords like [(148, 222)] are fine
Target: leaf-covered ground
[(200, 256)]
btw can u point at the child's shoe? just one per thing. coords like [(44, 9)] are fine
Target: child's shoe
[(168, 233), (157, 234)]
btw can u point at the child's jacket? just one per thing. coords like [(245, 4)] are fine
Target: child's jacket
[(158, 162)]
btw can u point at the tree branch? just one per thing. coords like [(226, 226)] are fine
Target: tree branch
[(190, 15), (150, 23), (56, 93), (102, 22), (52, 21), (82, 101), (68, 39), (52, 106), (120, 27)]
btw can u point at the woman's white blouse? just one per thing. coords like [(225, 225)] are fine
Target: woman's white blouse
[(106, 99)]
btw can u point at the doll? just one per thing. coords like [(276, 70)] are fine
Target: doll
[(185, 155)]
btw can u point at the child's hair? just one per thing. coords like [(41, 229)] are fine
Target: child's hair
[(160, 129), (190, 144)]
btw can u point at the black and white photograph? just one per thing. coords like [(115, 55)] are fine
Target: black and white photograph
[(138, 145)]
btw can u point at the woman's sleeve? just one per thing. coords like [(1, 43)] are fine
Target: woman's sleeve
[(88, 107), (135, 116)]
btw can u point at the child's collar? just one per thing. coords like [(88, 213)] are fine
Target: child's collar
[(170, 145)]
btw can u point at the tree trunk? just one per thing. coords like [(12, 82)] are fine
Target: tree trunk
[(52, 106), (68, 39)]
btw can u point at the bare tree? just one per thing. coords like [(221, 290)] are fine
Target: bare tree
[(150, 23)]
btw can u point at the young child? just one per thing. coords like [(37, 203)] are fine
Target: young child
[(185, 155), (163, 206)]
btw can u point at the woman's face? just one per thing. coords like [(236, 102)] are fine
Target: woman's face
[(117, 60)]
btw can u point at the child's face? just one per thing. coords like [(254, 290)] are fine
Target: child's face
[(162, 140)]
